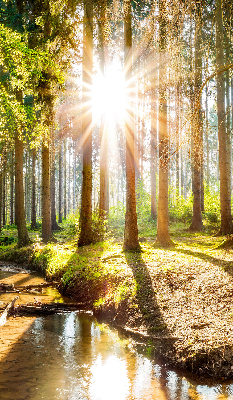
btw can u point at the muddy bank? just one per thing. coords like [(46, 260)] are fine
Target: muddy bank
[(181, 308)]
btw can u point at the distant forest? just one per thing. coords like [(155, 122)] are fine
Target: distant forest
[(115, 112)]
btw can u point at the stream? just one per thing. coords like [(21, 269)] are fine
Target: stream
[(70, 356)]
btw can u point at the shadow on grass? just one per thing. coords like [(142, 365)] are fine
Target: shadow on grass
[(145, 295)]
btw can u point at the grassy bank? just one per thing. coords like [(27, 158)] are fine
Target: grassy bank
[(179, 300)]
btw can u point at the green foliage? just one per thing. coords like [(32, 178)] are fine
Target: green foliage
[(116, 220), (99, 228), (181, 210), (143, 204), (69, 228), (212, 207)]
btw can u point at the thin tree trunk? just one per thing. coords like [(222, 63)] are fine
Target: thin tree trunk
[(33, 205), (131, 241), (85, 236), (60, 185), (225, 195), (177, 109), (74, 179), (46, 201), (1, 174), (103, 201), (64, 173), (153, 148), (163, 237), (4, 195), (54, 224), (207, 142), (23, 238), (197, 224), (12, 189), (228, 121)]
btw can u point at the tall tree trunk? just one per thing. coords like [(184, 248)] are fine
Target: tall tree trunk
[(177, 109), (74, 177), (1, 174), (65, 177), (85, 236), (4, 195), (46, 202), (228, 105), (163, 237), (60, 185), (23, 238), (207, 141), (131, 241), (197, 224), (12, 189), (54, 224), (33, 199), (225, 195), (153, 147), (103, 201)]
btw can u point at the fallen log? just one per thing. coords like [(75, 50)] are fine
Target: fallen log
[(4, 287), (8, 311), (47, 308), (38, 286)]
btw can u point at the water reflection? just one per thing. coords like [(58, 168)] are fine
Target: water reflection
[(71, 357)]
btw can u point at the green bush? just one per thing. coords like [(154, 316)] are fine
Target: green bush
[(212, 207), (181, 210), (116, 220)]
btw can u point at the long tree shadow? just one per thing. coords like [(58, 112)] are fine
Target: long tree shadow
[(227, 265), (145, 295)]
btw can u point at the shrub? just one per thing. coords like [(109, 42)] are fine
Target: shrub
[(181, 210)]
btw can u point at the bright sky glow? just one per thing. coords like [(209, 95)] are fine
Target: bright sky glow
[(109, 95)]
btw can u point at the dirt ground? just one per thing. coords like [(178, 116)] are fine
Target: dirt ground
[(183, 306)]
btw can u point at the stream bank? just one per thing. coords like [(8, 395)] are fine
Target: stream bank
[(178, 301)]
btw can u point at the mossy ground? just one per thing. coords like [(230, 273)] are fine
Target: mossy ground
[(180, 298)]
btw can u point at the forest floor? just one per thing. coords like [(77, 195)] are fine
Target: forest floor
[(177, 300)]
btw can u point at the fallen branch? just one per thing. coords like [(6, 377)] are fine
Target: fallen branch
[(47, 308), (8, 311), (4, 287)]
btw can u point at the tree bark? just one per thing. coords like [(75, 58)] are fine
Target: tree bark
[(65, 177), (33, 205), (153, 147), (46, 201), (225, 195), (12, 189), (131, 241), (85, 236), (197, 141), (163, 236), (60, 185), (54, 224), (23, 238), (104, 201)]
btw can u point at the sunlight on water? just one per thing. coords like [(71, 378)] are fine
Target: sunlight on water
[(109, 379), (72, 357)]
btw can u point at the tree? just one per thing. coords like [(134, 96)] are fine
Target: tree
[(23, 238), (131, 241), (163, 237), (197, 148), (225, 194), (85, 236), (104, 192), (33, 199)]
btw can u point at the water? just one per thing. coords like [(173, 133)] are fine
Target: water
[(70, 356)]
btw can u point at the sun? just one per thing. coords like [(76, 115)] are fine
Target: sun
[(109, 98)]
